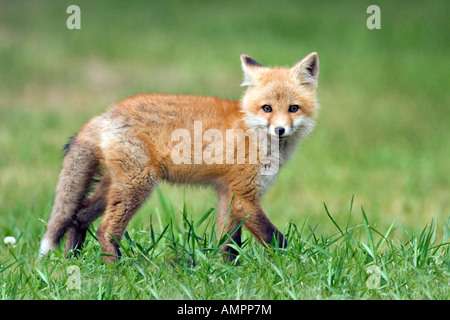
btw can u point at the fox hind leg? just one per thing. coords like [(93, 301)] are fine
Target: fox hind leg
[(93, 207), (132, 178), (124, 199)]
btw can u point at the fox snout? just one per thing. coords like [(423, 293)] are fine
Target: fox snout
[(280, 131)]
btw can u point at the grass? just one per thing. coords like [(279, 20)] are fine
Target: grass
[(381, 136), (184, 262)]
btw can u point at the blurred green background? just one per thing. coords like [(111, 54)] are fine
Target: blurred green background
[(382, 134)]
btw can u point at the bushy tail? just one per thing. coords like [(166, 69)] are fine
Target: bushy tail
[(79, 165)]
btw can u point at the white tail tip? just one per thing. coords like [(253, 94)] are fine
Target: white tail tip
[(46, 247)]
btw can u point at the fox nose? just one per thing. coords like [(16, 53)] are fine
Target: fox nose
[(280, 131)]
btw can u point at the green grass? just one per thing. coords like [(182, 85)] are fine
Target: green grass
[(382, 137), (184, 262)]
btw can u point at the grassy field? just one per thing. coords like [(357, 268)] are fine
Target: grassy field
[(364, 202)]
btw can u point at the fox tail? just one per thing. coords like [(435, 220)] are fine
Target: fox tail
[(79, 166)]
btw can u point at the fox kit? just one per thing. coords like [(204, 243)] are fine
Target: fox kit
[(134, 145)]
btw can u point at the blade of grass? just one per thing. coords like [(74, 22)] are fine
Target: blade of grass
[(331, 218), (385, 236), (206, 215), (369, 235), (350, 212), (228, 216)]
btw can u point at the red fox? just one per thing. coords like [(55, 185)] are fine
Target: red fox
[(137, 143)]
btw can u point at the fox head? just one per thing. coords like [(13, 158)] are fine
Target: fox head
[(281, 100)]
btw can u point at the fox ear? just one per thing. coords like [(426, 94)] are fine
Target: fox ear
[(307, 70), (249, 66)]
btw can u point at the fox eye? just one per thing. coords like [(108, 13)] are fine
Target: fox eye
[(293, 108), (267, 108)]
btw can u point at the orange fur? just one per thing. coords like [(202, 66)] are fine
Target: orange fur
[(134, 145)]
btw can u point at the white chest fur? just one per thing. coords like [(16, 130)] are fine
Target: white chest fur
[(274, 161), (277, 157)]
